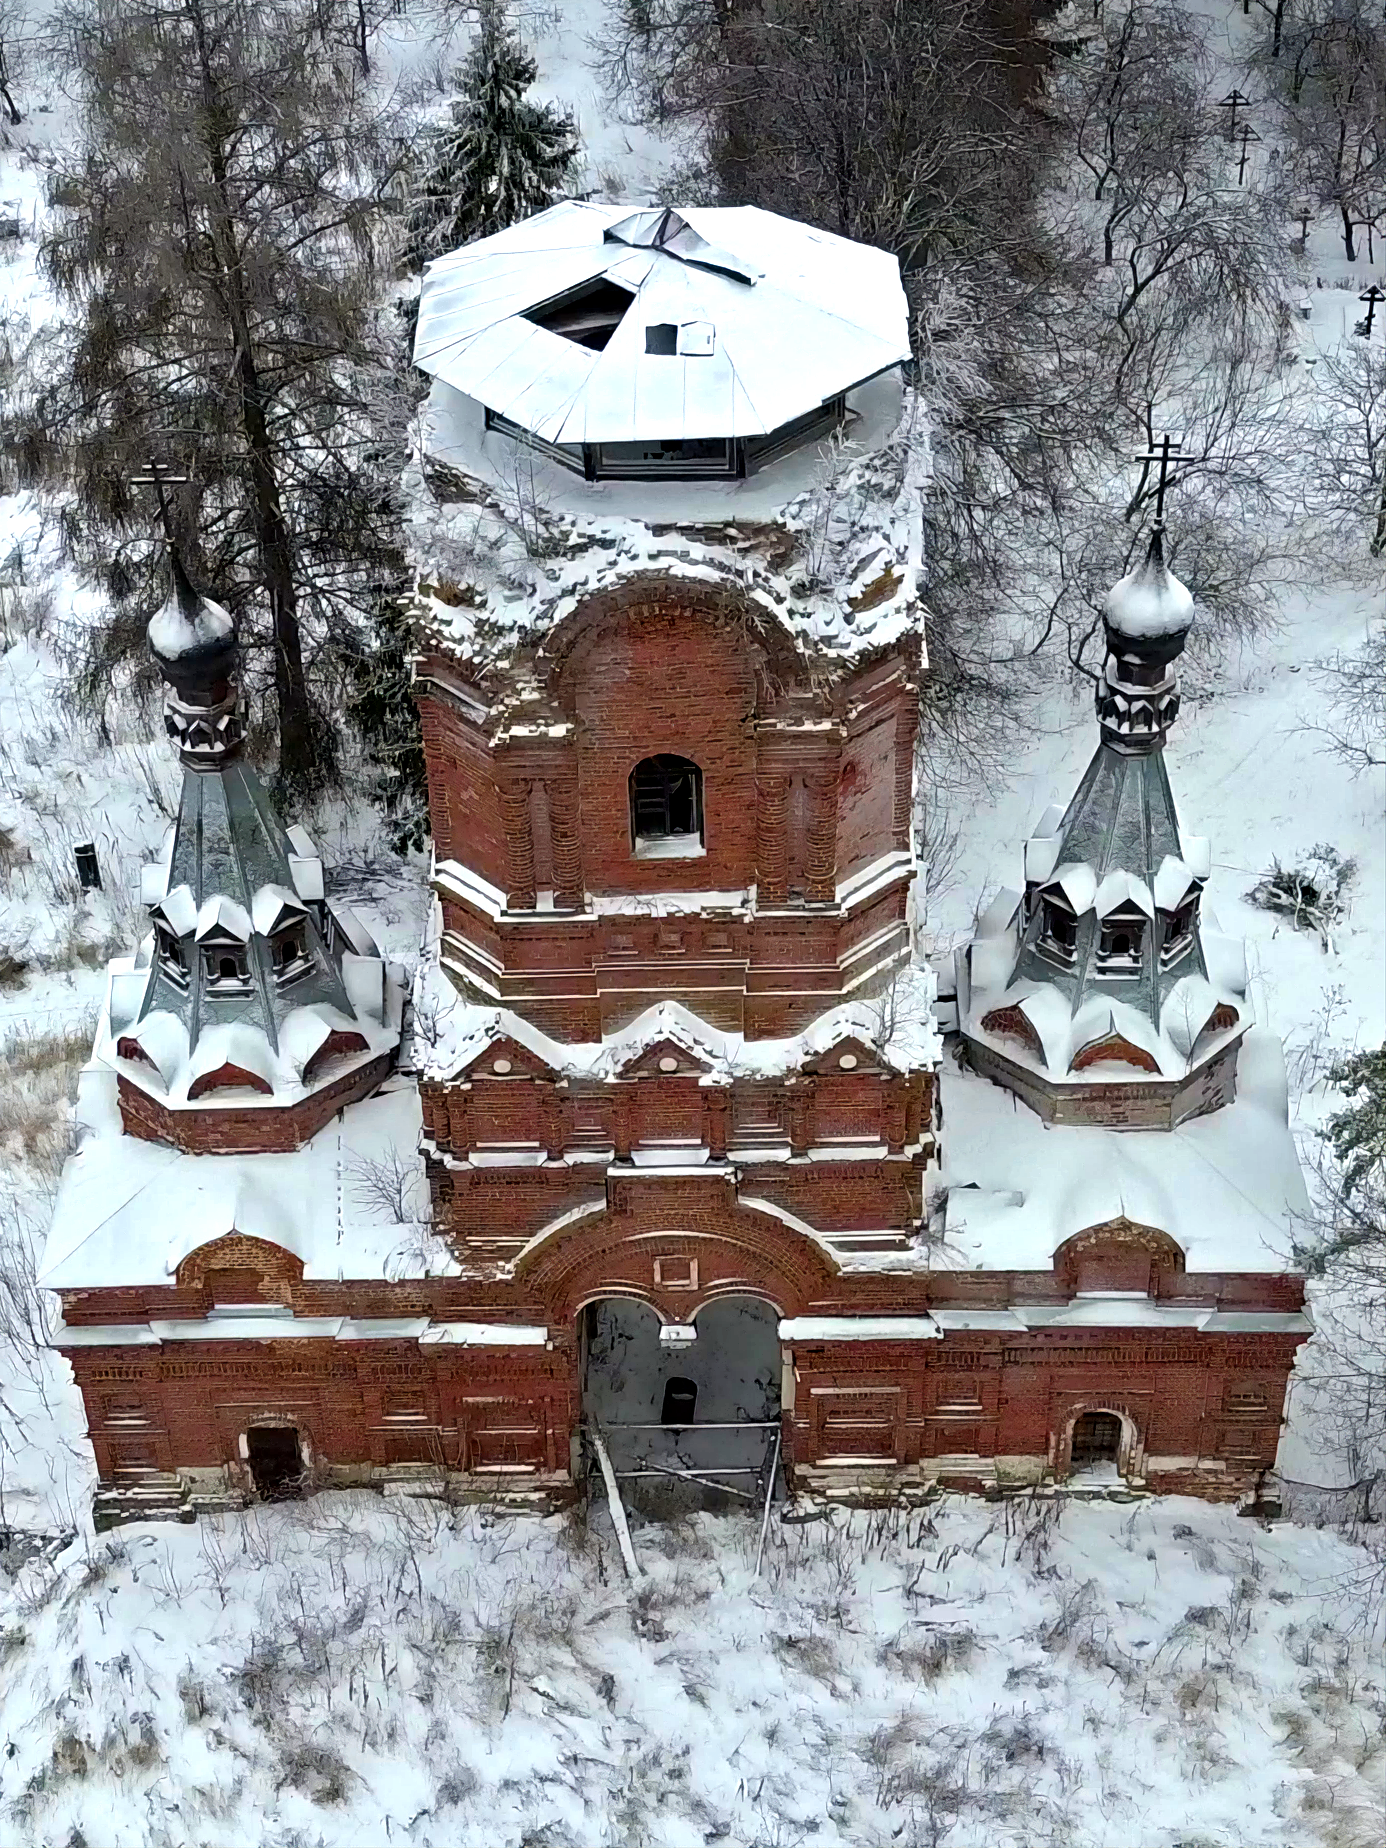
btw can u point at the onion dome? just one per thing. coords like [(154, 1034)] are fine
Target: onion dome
[(193, 641), (1147, 618)]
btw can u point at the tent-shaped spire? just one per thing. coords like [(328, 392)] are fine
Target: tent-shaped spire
[(1102, 967)]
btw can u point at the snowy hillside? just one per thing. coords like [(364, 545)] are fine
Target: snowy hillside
[(349, 1672)]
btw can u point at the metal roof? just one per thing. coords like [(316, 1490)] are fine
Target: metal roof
[(775, 318)]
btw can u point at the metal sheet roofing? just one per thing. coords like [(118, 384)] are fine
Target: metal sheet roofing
[(796, 316)]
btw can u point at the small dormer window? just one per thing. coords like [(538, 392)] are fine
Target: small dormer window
[(1119, 944), (172, 961), (227, 967), (666, 807), (1058, 929), (289, 952), (1179, 931)]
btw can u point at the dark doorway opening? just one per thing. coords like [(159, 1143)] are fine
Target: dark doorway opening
[(1096, 1440), (276, 1461), (680, 1402)]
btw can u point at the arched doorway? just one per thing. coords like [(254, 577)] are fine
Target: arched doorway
[(1095, 1445), (275, 1457), (669, 1406)]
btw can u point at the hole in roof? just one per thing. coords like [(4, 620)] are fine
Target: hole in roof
[(588, 316)]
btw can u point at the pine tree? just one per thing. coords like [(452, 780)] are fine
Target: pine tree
[(500, 159), (381, 705)]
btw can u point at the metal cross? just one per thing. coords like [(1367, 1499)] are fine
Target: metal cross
[(1164, 453), (1247, 135), (1373, 295), (1232, 102), (159, 478)]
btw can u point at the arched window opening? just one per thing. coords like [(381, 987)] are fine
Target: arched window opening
[(666, 806), (1096, 1441), (680, 1402), (1179, 932), (227, 967), (172, 961), (1058, 930), (290, 951), (1119, 943)]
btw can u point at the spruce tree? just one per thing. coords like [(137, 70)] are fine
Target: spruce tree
[(500, 159)]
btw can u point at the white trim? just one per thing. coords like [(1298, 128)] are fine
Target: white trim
[(860, 1328)]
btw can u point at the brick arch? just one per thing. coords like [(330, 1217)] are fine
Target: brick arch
[(1118, 1254), (737, 1251), (772, 656), (267, 1270), (1130, 1456)]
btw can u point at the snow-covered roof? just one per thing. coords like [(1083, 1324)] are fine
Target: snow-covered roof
[(1226, 1186), (129, 1211), (772, 319), (465, 1032)]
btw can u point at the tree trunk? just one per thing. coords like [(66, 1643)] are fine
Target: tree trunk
[(1348, 244), (1379, 537), (1279, 23), (297, 755)]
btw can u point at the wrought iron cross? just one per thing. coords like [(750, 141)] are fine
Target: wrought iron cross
[(1373, 296), (159, 478), (1232, 102), (1245, 138), (1164, 453)]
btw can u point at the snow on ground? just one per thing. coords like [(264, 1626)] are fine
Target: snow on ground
[(347, 1671)]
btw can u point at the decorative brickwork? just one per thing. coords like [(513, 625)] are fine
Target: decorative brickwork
[(225, 1130)]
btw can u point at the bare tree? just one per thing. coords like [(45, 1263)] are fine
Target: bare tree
[(1331, 81), (220, 251), (1344, 441), (16, 43)]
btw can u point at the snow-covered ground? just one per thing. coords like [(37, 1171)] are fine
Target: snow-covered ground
[(351, 1671)]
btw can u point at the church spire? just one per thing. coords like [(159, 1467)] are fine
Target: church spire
[(1101, 976)]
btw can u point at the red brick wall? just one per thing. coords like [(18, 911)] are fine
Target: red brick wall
[(220, 1130), (1218, 1399)]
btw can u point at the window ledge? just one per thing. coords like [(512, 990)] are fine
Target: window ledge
[(670, 847)]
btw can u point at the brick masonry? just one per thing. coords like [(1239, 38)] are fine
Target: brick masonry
[(534, 1176)]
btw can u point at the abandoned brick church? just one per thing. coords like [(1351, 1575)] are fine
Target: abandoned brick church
[(676, 1137)]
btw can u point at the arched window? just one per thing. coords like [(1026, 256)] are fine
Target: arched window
[(171, 958), (1058, 929), (227, 967), (666, 805), (1179, 931), (1119, 943), (289, 949)]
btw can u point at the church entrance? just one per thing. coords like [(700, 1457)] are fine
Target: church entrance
[(1096, 1443), (276, 1461), (700, 1411)]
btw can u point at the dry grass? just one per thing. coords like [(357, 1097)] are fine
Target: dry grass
[(38, 1083)]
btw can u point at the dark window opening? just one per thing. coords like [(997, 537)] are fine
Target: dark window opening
[(171, 955), (588, 316), (822, 420), (662, 338), (289, 950), (680, 1401), (1179, 931), (678, 456), (1060, 929), (666, 799), (1096, 1439), (226, 966), (1119, 943), (276, 1461)]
